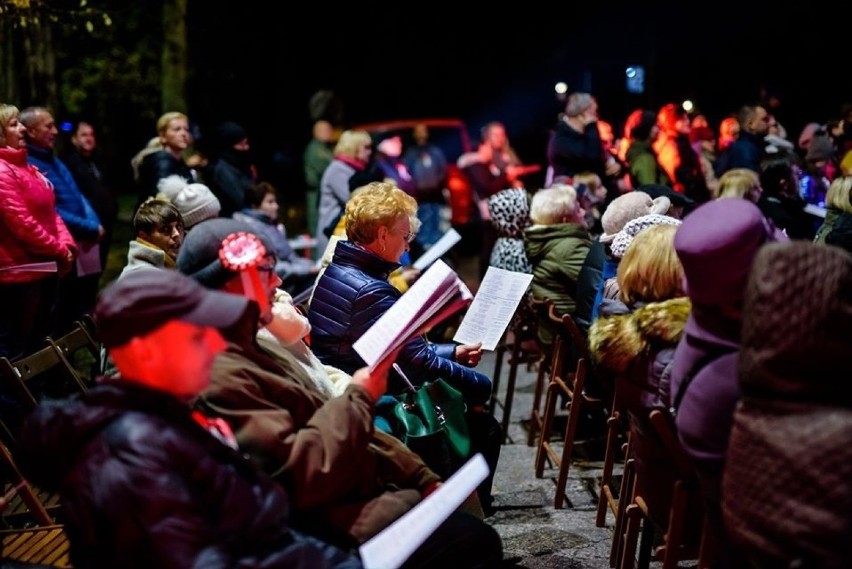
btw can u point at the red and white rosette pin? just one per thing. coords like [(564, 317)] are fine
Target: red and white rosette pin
[(243, 252)]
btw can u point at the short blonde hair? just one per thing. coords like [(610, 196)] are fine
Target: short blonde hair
[(650, 270), (351, 141), (590, 179), (165, 119), (553, 205), (837, 196), (374, 205), (7, 113), (737, 183)]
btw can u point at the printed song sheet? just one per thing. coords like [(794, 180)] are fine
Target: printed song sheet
[(440, 247), (436, 294), (42, 267), (393, 545), (493, 307)]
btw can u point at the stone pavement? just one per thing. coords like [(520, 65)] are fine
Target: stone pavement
[(535, 534)]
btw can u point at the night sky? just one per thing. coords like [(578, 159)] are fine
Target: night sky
[(388, 61)]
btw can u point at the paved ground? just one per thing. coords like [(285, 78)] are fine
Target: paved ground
[(535, 534)]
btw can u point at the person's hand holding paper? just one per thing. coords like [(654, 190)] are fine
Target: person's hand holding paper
[(469, 354)]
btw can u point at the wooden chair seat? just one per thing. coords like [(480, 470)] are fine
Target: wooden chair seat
[(46, 545), (32, 532)]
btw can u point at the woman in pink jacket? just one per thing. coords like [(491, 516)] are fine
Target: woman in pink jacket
[(35, 246)]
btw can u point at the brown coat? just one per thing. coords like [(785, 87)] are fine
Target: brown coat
[(786, 494), (340, 473)]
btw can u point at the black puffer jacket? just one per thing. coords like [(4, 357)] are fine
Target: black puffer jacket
[(143, 485), (348, 299)]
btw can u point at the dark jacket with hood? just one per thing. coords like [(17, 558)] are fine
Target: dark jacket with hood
[(557, 253), (143, 485)]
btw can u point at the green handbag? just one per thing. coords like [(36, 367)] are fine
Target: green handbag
[(431, 421)]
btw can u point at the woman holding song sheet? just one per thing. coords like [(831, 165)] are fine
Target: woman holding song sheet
[(381, 222)]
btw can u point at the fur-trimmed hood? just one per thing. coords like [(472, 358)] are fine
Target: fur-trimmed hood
[(615, 341)]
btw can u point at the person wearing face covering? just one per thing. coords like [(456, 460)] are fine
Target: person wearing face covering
[(232, 172)]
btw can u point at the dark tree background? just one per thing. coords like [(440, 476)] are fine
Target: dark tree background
[(124, 62)]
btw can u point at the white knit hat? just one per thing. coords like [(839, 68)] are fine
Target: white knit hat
[(634, 227), (195, 202)]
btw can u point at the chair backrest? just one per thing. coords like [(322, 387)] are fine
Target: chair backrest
[(570, 339), (42, 374), (77, 342), (19, 374), (664, 426)]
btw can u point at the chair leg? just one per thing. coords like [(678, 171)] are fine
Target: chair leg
[(707, 551), (510, 388), (535, 415), (674, 533), (606, 500), (499, 355), (574, 410), (631, 536), (624, 493), (646, 544), (546, 426)]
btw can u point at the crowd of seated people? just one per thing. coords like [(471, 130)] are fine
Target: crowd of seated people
[(674, 311)]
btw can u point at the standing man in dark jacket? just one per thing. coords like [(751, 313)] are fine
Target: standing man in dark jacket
[(575, 145), (749, 149), (82, 160), (145, 482)]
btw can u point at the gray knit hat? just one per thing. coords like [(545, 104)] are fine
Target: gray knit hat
[(194, 201), (199, 254)]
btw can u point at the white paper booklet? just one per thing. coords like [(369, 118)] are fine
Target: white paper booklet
[(436, 294), (440, 247), (42, 267), (493, 307), (393, 545)]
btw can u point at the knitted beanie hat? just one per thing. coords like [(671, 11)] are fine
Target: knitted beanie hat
[(624, 238), (229, 133), (199, 254), (194, 201), (629, 206)]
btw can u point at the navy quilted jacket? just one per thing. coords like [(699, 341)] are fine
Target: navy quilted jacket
[(350, 296)]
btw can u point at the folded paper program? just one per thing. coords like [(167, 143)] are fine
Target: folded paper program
[(438, 293)]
